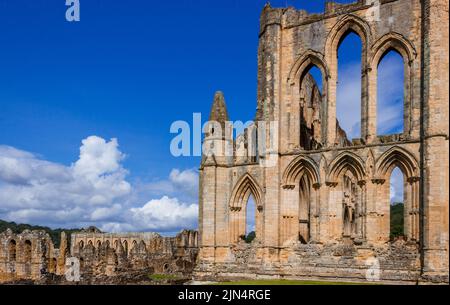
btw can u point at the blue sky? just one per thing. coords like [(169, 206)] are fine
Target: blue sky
[(124, 72)]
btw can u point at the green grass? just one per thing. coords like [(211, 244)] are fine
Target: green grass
[(162, 277), (288, 282)]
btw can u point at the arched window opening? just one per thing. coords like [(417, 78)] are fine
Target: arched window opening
[(81, 245), (397, 206), (304, 214), (53, 265), (348, 97), (250, 220), (27, 251), (311, 109), (125, 247), (246, 210), (390, 94), (12, 250)]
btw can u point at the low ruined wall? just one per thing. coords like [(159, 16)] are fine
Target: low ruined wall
[(26, 256), (135, 254), (393, 262)]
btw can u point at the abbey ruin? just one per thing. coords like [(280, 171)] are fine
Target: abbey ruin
[(322, 200), (100, 258)]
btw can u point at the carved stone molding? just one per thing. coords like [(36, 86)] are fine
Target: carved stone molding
[(289, 186), (413, 179), (361, 183), (378, 181), (331, 183)]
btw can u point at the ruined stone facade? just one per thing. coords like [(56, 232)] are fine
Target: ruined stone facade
[(28, 256), (112, 254), (104, 258), (322, 201)]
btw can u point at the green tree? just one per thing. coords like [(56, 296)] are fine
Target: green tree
[(397, 219)]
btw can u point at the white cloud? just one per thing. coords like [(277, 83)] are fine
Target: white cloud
[(389, 97), (348, 99), (183, 184), (93, 191), (164, 214), (35, 190), (396, 186)]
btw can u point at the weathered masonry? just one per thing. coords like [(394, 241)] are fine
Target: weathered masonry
[(104, 258), (29, 256), (323, 206)]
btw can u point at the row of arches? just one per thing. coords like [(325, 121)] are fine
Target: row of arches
[(376, 95), (346, 179), (14, 248), (116, 244)]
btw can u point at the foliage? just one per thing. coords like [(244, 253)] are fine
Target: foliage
[(55, 234), (250, 237), (397, 219), (163, 277)]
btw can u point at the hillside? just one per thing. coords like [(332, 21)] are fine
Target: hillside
[(55, 234), (397, 219)]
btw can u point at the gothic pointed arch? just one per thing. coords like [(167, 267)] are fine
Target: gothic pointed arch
[(245, 187), (346, 161), (397, 157), (348, 23), (392, 41), (398, 43), (345, 25), (302, 165), (304, 62)]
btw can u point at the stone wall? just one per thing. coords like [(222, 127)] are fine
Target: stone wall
[(115, 255), (29, 255), (320, 188), (104, 258)]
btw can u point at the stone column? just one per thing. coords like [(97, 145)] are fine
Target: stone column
[(435, 156)]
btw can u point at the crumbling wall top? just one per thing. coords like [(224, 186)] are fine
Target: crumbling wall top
[(290, 16)]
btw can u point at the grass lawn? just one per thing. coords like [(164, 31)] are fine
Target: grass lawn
[(163, 277), (288, 282)]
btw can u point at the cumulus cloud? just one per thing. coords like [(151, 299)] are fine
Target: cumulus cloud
[(396, 187), (36, 190), (164, 214), (390, 95), (183, 184), (348, 99), (93, 191)]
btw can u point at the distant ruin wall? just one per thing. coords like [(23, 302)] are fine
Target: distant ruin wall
[(104, 257)]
